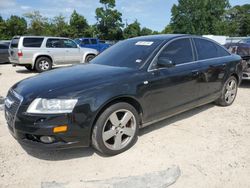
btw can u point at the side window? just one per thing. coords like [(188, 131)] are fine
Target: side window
[(54, 43), (69, 44), (32, 42), (93, 41), (85, 41), (3, 47), (221, 52), (207, 49), (179, 51)]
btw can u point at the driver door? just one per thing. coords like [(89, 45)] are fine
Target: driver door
[(173, 88)]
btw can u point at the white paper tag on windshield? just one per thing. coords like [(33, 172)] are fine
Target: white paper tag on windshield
[(144, 43)]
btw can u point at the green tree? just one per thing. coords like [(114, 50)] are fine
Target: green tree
[(109, 21), (237, 20), (79, 26), (39, 25), (59, 27), (146, 31), (15, 25), (198, 17), (132, 30), (3, 29), (167, 30)]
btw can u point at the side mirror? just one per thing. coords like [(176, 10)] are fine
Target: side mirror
[(165, 62), (78, 46)]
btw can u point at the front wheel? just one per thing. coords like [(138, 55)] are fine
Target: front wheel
[(116, 129), (229, 92)]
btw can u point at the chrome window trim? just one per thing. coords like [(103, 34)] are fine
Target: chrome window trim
[(194, 48), (213, 41)]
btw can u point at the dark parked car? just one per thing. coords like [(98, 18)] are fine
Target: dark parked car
[(4, 53), (242, 48), (131, 85), (94, 43)]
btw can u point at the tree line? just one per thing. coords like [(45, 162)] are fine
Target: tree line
[(215, 17)]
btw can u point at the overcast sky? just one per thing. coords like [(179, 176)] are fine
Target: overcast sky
[(154, 14)]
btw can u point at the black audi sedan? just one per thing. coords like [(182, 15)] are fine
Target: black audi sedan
[(135, 83)]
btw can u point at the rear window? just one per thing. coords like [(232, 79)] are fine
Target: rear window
[(207, 49), (14, 43), (32, 42)]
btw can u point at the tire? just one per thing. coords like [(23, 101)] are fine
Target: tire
[(114, 137), (229, 92), (29, 67), (89, 58), (43, 64)]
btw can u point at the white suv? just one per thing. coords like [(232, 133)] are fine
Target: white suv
[(41, 53)]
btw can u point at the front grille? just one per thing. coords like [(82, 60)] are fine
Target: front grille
[(12, 103)]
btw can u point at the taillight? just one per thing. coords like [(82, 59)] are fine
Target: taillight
[(20, 54)]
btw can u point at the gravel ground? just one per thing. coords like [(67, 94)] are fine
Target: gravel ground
[(205, 147)]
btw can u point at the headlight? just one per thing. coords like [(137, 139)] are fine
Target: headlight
[(52, 106)]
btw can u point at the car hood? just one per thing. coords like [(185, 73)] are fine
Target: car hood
[(84, 77)]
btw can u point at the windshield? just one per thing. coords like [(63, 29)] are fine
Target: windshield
[(130, 53)]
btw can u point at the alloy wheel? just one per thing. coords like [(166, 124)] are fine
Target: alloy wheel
[(231, 90), (119, 129), (44, 65)]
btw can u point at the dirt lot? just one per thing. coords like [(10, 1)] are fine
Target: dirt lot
[(210, 146)]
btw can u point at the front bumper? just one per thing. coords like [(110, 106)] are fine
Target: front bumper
[(28, 129)]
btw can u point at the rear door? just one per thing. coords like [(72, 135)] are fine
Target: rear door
[(211, 58), (55, 47)]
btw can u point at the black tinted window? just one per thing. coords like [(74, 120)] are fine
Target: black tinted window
[(69, 44), (54, 43), (2, 46), (85, 41), (32, 42), (14, 43), (93, 41), (179, 51), (207, 49)]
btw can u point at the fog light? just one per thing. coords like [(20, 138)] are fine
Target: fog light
[(47, 139)]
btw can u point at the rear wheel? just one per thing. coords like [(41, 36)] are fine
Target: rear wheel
[(229, 92), (116, 129), (43, 64), (89, 58), (29, 67)]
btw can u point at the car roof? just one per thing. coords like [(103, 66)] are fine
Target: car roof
[(160, 37), (30, 36)]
